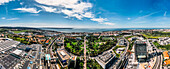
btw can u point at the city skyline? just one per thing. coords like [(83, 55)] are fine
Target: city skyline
[(85, 13)]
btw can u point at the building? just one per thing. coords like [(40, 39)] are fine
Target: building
[(47, 42), (9, 62), (106, 59), (64, 58), (121, 42), (141, 53), (19, 53), (73, 62), (126, 33), (108, 38), (40, 36), (164, 40), (167, 62), (7, 44), (165, 54), (96, 34)]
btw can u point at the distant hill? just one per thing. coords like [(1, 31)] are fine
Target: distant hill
[(55, 28), (19, 28)]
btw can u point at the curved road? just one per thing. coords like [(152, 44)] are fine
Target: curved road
[(158, 62)]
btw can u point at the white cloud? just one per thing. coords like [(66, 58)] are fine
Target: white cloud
[(165, 13), (67, 12), (72, 14), (30, 10), (99, 19), (3, 18), (128, 18), (48, 9), (88, 15), (5, 1), (77, 16), (108, 23), (71, 8), (13, 19), (141, 18), (21, 3), (148, 15)]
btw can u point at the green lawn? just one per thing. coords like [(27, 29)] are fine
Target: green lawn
[(74, 46), (117, 55), (19, 31), (20, 39), (150, 36), (156, 34), (96, 45)]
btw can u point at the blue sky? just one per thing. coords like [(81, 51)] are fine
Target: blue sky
[(85, 13)]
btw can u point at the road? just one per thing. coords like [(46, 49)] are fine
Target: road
[(85, 61), (49, 48), (158, 62), (49, 51), (123, 56)]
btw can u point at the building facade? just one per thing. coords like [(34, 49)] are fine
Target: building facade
[(141, 53)]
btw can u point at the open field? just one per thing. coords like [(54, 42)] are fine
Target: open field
[(19, 31), (156, 35)]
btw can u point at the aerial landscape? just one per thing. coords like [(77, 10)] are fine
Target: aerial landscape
[(84, 34)]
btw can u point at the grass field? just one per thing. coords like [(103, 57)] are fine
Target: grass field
[(156, 34), (150, 36), (19, 31), (117, 55)]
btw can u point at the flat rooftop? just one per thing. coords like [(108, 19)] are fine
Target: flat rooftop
[(8, 44), (105, 56), (63, 54), (9, 61), (140, 42)]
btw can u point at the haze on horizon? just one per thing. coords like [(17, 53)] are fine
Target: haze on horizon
[(85, 13)]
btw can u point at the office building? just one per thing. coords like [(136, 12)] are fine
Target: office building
[(141, 53), (106, 59), (64, 58)]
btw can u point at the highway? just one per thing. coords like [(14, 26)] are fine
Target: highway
[(49, 51), (158, 62), (123, 58), (49, 48)]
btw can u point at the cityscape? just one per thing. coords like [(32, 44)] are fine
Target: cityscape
[(27, 48), (84, 34)]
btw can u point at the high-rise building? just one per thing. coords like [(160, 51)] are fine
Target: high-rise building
[(141, 53)]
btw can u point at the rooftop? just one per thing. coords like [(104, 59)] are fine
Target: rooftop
[(17, 52), (9, 61), (8, 44), (105, 57), (63, 55)]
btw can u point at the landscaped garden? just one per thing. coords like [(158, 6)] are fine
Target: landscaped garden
[(20, 31), (115, 48), (74, 46), (92, 64), (96, 45)]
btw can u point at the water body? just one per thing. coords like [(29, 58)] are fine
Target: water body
[(68, 30)]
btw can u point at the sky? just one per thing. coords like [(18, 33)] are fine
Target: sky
[(85, 13)]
